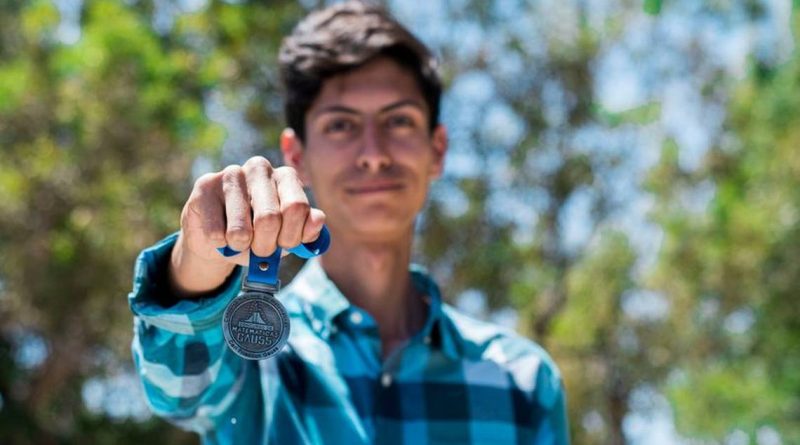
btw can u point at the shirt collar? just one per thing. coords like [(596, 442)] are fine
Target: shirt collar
[(435, 328), (321, 302)]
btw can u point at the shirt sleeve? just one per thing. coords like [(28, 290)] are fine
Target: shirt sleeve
[(550, 393), (189, 376)]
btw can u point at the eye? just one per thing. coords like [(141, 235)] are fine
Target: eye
[(339, 126), (400, 121)]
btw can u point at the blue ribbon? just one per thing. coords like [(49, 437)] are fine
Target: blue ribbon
[(264, 270)]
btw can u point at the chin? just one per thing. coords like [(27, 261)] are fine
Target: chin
[(382, 226)]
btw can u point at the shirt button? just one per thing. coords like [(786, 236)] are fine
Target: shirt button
[(427, 340), (386, 380), (356, 318)]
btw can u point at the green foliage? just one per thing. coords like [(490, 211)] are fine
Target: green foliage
[(652, 6), (14, 78), (641, 115), (737, 260), (594, 304), (753, 404), (97, 137)]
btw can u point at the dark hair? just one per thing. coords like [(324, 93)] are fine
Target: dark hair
[(340, 38)]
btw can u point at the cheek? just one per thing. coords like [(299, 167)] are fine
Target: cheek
[(317, 175), (324, 170), (418, 157)]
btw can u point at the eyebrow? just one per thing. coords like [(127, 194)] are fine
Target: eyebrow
[(343, 109)]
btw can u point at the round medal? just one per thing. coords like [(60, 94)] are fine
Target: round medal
[(255, 325)]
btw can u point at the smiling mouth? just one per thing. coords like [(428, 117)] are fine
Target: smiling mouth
[(374, 188)]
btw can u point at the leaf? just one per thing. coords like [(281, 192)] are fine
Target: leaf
[(642, 115), (652, 7)]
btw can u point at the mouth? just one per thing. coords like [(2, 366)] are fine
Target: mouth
[(378, 187)]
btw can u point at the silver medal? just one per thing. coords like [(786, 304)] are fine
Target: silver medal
[(255, 325)]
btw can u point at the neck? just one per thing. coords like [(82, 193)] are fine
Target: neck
[(375, 277)]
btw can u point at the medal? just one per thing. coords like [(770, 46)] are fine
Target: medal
[(255, 324)]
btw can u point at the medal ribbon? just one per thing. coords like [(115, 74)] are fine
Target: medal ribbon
[(264, 270)]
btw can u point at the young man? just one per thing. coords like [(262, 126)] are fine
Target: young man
[(374, 355)]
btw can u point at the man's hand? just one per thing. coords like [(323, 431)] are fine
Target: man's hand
[(253, 206)]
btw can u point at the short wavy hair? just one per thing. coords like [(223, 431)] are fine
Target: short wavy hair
[(340, 38)]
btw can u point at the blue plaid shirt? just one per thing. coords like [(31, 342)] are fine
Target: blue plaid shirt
[(458, 381)]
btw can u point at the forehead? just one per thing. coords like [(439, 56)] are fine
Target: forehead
[(370, 87)]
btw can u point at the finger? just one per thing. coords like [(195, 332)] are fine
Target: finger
[(265, 204), (293, 204), (313, 225), (203, 217), (239, 228)]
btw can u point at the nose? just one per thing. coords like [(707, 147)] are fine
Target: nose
[(373, 156)]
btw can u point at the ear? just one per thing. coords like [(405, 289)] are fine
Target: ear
[(439, 144), (294, 153)]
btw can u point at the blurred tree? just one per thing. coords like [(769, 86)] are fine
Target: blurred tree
[(97, 137), (731, 269)]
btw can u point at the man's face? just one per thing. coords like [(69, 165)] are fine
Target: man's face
[(369, 155)]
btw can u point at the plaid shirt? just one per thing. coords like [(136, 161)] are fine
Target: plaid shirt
[(458, 381)]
